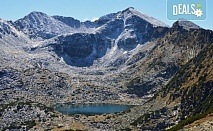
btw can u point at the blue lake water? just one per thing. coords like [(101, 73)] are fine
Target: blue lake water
[(90, 109)]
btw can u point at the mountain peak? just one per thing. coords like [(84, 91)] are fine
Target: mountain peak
[(129, 9), (36, 13), (40, 25), (133, 12), (187, 25), (36, 16)]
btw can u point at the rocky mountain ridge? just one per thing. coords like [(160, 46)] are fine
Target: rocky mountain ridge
[(117, 32)]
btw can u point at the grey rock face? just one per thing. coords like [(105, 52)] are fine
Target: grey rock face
[(40, 25), (69, 21), (5, 29), (80, 49), (187, 24)]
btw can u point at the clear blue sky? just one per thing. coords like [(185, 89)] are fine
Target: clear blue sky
[(88, 9)]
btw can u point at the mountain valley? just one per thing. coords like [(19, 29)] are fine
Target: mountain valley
[(126, 57)]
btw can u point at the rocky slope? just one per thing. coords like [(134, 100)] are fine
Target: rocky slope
[(186, 98), (192, 87), (171, 52)]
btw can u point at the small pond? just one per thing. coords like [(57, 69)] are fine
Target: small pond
[(90, 109)]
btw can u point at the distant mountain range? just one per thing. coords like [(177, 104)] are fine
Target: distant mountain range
[(127, 57)]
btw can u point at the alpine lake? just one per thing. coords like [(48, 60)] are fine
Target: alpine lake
[(90, 108)]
